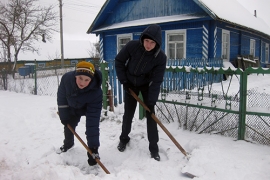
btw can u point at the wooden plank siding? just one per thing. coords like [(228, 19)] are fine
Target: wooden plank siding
[(203, 38), (137, 9), (234, 45), (203, 33), (194, 41)]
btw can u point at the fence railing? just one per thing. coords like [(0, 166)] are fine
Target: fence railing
[(187, 96), (172, 81), (231, 110)]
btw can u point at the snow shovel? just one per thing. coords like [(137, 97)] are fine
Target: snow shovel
[(187, 174), (159, 123), (87, 148)]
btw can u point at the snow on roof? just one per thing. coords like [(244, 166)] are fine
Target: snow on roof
[(233, 11), (153, 20), (30, 64)]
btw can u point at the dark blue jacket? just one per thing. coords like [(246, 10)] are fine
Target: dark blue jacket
[(82, 102), (139, 67)]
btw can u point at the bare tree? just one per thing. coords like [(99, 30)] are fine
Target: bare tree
[(23, 22), (56, 55), (94, 50)]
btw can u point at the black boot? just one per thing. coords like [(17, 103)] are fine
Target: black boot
[(92, 158), (155, 156), (91, 161), (65, 148), (121, 146)]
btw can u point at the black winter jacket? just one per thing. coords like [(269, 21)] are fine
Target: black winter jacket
[(139, 67), (82, 102)]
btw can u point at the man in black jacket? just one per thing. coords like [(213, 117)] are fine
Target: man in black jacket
[(80, 94), (140, 66)]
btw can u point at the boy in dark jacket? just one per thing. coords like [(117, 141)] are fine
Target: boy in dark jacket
[(80, 94), (140, 66)]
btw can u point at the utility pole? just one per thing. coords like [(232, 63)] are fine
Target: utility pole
[(61, 33)]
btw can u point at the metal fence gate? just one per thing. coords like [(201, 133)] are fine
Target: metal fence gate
[(216, 108)]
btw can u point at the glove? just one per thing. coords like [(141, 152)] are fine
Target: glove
[(143, 87), (65, 122), (126, 86), (91, 158)]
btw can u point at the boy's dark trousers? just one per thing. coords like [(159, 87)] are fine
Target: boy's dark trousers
[(130, 107), (69, 136)]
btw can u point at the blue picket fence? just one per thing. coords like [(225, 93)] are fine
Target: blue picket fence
[(173, 81)]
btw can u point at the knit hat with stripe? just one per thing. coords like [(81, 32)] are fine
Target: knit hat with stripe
[(85, 68)]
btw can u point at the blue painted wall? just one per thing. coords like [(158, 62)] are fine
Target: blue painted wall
[(194, 43), (194, 39), (138, 9), (263, 52), (219, 43), (110, 47), (212, 48), (234, 45), (199, 32)]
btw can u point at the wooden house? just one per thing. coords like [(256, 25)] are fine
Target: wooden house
[(201, 29)]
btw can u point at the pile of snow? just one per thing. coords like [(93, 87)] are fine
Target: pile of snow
[(31, 132)]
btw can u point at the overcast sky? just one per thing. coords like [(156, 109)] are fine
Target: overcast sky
[(78, 15)]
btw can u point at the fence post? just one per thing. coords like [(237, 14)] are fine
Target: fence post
[(104, 71), (242, 106), (142, 112), (35, 72), (4, 77)]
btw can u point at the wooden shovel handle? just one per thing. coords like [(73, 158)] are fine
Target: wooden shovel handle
[(87, 148), (159, 123)]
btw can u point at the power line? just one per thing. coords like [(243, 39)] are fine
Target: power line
[(81, 9), (85, 2)]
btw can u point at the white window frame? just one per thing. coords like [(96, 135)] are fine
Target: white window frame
[(176, 32), (225, 47), (266, 53), (252, 47), (123, 36)]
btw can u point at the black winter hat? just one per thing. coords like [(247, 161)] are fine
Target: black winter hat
[(147, 37)]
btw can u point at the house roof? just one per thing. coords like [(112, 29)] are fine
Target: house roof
[(233, 12), (157, 20), (230, 11)]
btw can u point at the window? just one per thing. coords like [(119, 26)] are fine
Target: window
[(122, 40), (41, 65), (252, 47), (176, 44), (266, 53), (225, 45), (73, 62)]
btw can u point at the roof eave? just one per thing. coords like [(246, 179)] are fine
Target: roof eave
[(92, 26), (206, 9), (156, 20), (245, 28)]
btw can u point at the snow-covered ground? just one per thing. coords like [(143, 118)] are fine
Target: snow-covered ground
[(30, 133)]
